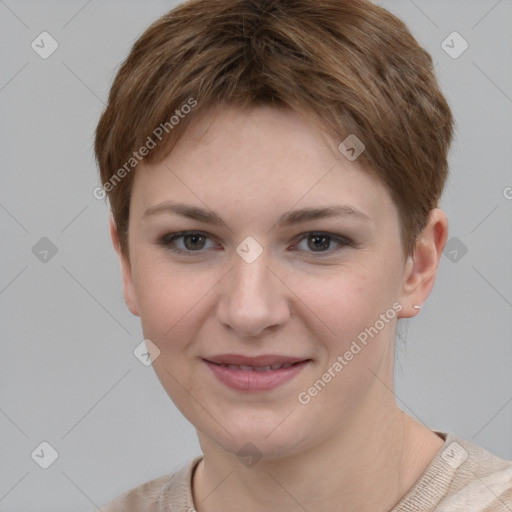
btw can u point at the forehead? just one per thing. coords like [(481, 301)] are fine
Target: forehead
[(261, 159)]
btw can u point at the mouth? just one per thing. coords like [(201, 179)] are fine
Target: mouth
[(262, 373)]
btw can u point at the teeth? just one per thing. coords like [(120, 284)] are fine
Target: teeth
[(261, 368), (258, 368)]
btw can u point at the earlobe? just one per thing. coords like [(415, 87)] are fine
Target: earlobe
[(421, 267), (130, 297)]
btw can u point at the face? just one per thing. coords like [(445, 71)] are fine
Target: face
[(228, 267)]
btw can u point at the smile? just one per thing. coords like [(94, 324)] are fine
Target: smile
[(243, 377)]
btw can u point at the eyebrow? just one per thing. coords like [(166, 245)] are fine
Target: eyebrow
[(286, 219)]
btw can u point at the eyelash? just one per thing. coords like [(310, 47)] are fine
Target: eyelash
[(168, 242)]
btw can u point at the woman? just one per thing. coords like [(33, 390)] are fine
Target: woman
[(273, 171)]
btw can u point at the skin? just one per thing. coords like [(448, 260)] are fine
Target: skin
[(350, 445)]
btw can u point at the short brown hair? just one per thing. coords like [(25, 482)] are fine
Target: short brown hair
[(350, 62)]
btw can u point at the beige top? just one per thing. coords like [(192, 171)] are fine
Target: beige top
[(462, 477)]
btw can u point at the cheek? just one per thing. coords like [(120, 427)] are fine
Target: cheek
[(168, 299), (345, 311), (341, 301), (172, 305)]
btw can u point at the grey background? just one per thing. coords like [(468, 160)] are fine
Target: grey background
[(68, 375)]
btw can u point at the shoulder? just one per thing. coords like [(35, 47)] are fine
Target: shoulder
[(149, 496), (480, 480)]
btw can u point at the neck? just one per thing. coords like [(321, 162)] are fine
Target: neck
[(367, 464)]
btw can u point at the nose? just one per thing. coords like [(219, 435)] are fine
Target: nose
[(253, 299)]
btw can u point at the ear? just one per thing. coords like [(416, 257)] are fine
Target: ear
[(421, 267), (128, 289)]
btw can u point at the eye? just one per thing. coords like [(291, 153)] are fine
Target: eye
[(190, 241), (320, 243)]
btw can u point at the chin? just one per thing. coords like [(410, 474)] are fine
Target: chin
[(262, 442)]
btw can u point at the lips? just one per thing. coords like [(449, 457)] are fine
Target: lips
[(262, 373)]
